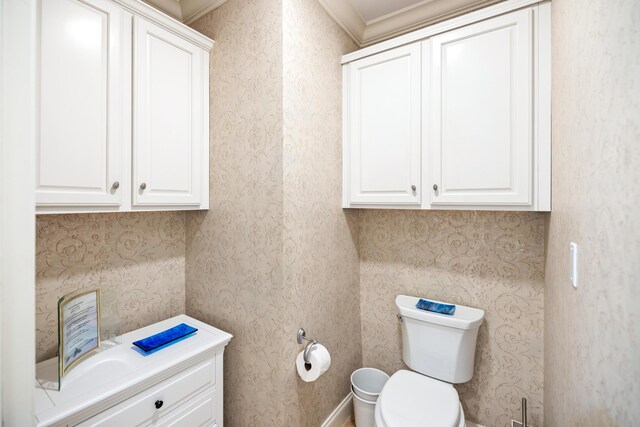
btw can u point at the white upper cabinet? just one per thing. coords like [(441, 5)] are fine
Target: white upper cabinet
[(124, 109), (480, 137), (169, 99), (85, 46), (384, 128), (481, 121)]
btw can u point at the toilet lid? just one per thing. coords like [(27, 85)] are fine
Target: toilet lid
[(409, 399)]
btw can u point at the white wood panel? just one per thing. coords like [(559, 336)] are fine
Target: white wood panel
[(168, 117), (173, 392), (84, 49), (198, 412), (481, 113), (384, 134), (542, 103), (18, 70)]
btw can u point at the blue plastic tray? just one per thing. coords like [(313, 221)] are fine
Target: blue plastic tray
[(436, 307), (165, 338)]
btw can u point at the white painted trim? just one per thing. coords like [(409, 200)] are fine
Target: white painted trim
[(398, 22), (346, 162), (18, 126), (470, 424), (167, 22), (426, 148), (205, 174), (346, 16), (192, 10), (170, 7), (543, 106), (341, 414), (186, 11), (460, 207), (432, 30), (424, 14)]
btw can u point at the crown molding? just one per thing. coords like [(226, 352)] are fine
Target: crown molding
[(347, 17), (445, 25), (425, 13), (192, 10), (153, 14), (186, 11)]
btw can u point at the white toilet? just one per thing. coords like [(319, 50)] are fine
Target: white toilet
[(440, 349)]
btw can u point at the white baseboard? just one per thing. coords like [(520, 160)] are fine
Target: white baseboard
[(470, 424), (341, 414)]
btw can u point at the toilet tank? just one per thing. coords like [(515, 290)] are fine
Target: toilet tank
[(438, 345)]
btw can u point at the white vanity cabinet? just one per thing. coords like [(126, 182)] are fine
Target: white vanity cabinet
[(483, 124), (180, 385), (124, 109), (384, 128)]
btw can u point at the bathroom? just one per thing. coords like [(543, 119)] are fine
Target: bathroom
[(275, 249)]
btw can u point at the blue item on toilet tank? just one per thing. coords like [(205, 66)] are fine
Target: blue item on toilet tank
[(436, 307)]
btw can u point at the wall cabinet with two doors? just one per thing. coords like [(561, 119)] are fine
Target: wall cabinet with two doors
[(124, 109), (455, 116)]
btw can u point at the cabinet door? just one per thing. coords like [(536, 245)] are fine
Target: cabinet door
[(481, 113), (198, 412), (173, 393), (84, 50), (169, 94), (384, 128)]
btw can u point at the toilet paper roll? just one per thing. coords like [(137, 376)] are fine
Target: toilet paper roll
[(320, 362)]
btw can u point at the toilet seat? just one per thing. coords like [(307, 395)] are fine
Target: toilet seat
[(409, 399)]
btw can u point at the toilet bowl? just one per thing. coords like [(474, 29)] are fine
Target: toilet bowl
[(440, 351), (410, 399)]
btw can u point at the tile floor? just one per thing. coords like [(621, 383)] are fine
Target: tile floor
[(351, 423)]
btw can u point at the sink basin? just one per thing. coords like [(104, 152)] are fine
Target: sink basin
[(108, 366), (99, 370)]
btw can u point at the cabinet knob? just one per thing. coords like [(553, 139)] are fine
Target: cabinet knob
[(159, 404), (115, 185), (413, 188), (435, 187), (143, 186)]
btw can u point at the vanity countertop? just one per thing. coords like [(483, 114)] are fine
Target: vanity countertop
[(120, 372)]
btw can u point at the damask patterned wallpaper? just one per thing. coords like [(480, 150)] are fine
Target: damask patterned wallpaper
[(321, 266), (490, 260), (234, 251), (592, 334), (140, 256), (276, 252)]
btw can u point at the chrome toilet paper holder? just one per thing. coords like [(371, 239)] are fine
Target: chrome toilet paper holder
[(302, 336)]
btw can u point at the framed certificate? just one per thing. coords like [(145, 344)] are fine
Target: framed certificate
[(78, 328)]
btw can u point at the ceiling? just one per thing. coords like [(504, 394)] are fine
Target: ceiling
[(366, 21), (186, 11), (372, 21), (373, 9)]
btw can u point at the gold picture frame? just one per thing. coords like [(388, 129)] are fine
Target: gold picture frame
[(78, 327)]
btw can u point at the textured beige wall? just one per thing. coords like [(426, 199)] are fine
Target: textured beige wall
[(138, 256), (234, 251), (276, 251), (320, 264), (489, 260), (592, 334)]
